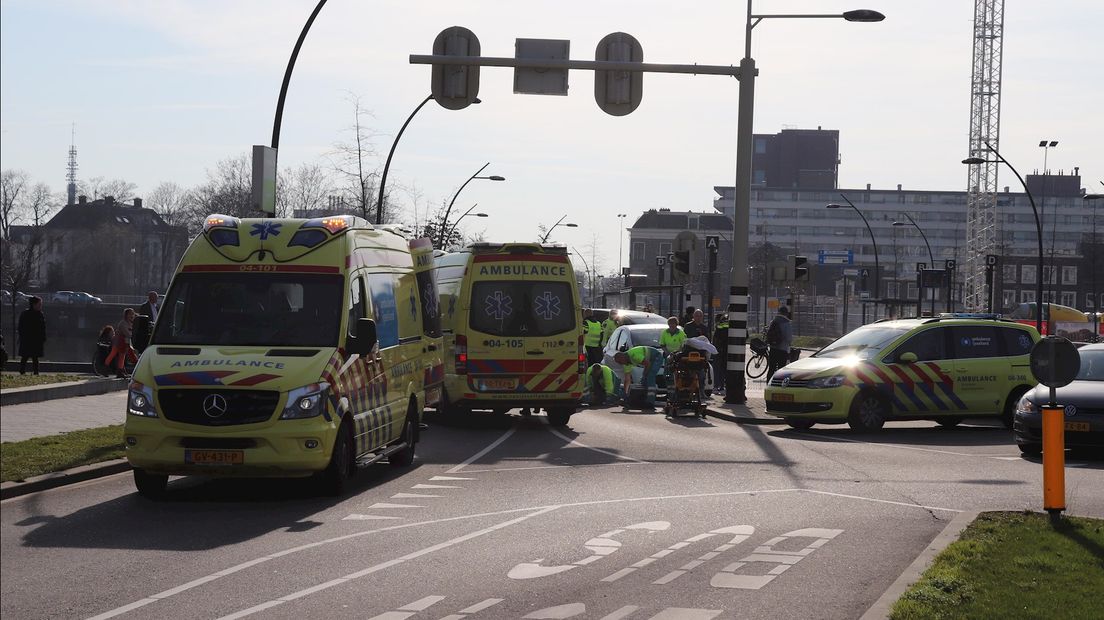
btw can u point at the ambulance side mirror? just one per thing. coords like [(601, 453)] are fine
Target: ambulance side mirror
[(365, 339), (908, 357)]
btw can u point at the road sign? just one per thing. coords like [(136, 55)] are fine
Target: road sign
[(949, 264), (1055, 361), (712, 243), (990, 260), (531, 81), (835, 257), (920, 267), (850, 272), (661, 261)]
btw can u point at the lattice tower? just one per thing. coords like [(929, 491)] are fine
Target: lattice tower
[(71, 174), (982, 223)]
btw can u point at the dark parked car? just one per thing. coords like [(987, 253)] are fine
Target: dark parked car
[(1083, 400)]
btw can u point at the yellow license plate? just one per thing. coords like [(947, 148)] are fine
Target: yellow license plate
[(214, 457), (1077, 426), (500, 384), (782, 398)]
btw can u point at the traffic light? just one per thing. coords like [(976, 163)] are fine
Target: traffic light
[(799, 269), (681, 264), (455, 86), (618, 92)]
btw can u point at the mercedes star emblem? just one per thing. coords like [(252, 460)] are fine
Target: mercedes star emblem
[(214, 405)]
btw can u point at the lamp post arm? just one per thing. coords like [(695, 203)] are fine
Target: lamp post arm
[(931, 257), (444, 220), (287, 75), (387, 165), (547, 233), (1039, 234), (874, 243)]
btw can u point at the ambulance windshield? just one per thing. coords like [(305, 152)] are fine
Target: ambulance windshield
[(520, 308), (252, 309), (864, 342)]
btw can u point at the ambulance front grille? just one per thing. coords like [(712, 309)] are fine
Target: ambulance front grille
[(221, 407)]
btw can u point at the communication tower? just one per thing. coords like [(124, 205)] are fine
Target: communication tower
[(71, 175)]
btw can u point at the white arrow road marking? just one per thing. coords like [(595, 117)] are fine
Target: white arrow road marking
[(478, 607), (766, 554), (742, 533), (356, 517), (448, 478), (410, 609), (386, 505), (599, 547), (478, 455), (411, 496)]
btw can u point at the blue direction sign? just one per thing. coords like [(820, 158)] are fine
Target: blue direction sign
[(835, 257)]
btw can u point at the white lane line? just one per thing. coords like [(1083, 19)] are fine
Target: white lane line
[(386, 505), (449, 478), (412, 496), (571, 441), (434, 486), (881, 501), (624, 612), (480, 606), (357, 517), (478, 455), (422, 604), (388, 564), (622, 464), (337, 539), (682, 613), (900, 447)]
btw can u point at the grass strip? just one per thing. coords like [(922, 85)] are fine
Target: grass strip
[(20, 460), (1013, 565), (10, 380)]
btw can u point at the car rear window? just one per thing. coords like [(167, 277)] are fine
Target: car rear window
[(518, 308)]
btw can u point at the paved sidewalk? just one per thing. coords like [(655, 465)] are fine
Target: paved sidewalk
[(52, 417)]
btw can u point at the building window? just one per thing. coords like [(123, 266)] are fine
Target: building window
[(1049, 275), (1027, 297), (664, 248), (1089, 301), (1008, 300), (1010, 274), (1069, 275), (638, 250), (912, 290), (760, 146), (1027, 275), (1069, 298), (1048, 297)]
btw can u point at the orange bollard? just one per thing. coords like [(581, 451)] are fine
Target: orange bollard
[(1054, 460)]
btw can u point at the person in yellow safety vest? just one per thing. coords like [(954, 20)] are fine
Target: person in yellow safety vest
[(603, 389), (608, 326), (672, 338), (592, 337)]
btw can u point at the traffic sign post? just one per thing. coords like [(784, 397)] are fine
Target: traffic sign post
[(1054, 362), (990, 267), (920, 267), (712, 244)]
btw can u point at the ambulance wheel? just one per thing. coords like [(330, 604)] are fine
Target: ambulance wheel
[(152, 486), (336, 475), (949, 422), (559, 416), (868, 412), (800, 424), (405, 457), (1010, 406)]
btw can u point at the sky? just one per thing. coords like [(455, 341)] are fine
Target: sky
[(161, 90)]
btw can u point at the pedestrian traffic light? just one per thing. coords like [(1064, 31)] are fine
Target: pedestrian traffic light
[(800, 271)]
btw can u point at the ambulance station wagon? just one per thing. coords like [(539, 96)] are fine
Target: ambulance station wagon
[(945, 369)]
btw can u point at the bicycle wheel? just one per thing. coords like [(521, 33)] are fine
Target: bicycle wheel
[(756, 366)]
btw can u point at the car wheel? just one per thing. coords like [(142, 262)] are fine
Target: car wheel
[(1031, 449), (405, 457), (950, 422), (559, 416), (800, 424), (1010, 406), (151, 486), (868, 412), (336, 475)]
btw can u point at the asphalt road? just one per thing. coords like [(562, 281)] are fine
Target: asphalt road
[(623, 515)]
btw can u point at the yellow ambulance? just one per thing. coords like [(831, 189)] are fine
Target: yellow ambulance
[(287, 347), (511, 320)]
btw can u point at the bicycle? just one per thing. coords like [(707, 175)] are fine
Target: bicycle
[(757, 365)]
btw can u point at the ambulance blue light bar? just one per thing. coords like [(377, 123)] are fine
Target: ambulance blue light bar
[(969, 315), (217, 220)]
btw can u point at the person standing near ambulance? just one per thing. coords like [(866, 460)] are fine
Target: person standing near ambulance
[(650, 359), (608, 326), (672, 338), (592, 337)]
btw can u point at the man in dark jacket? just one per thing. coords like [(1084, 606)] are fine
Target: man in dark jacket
[(32, 334), (779, 337)]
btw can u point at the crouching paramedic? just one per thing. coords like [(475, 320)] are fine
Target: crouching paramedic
[(650, 360), (603, 389)]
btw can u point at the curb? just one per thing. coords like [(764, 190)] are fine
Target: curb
[(45, 482), (881, 607), (37, 394)]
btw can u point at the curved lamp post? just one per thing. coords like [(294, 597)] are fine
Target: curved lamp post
[(395, 143), (444, 220), (738, 291), (548, 232), (1093, 269), (590, 274), (452, 229), (1038, 229), (931, 258), (877, 270), (620, 239)]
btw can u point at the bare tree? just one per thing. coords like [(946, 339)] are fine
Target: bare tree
[(307, 187), (171, 202), (355, 163), (228, 190), (100, 187), (23, 256), (12, 188)]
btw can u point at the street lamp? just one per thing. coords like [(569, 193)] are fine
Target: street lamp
[(877, 270), (1046, 145), (1093, 269), (1038, 228), (620, 239), (738, 292), (387, 164), (452, 229), (590, 274), (444, 220), (931, 259), (558, 222)]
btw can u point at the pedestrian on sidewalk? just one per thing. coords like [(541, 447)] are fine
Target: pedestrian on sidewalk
[(32, 334), (122, 351), (779, 337), (696, 327)]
